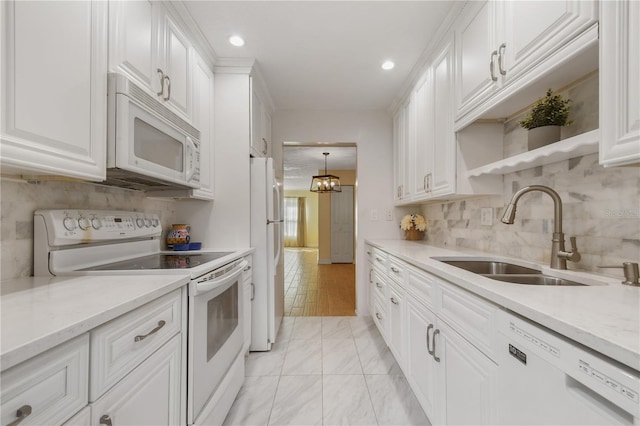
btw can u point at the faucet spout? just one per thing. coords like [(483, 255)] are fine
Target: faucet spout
[(559, 255)]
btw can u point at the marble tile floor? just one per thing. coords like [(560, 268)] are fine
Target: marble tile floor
[(325, 371), (317, 290)]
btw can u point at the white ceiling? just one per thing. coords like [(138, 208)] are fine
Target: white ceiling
[(324, 55), (303, 162)]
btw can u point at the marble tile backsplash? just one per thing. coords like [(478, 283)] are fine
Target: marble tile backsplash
[(18, 201), (601, 206)]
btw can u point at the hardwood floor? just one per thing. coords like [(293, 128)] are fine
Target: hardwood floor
[(317, 290)]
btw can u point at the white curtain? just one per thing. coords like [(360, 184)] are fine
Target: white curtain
[(294, 221)]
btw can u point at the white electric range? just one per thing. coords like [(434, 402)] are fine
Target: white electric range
[(100, 242)]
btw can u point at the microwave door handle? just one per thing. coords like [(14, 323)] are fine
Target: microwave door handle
[(206, 286), (190, 159)]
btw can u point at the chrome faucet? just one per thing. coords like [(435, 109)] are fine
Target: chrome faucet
[(559, 255)]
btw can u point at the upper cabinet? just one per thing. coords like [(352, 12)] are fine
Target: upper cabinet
[(503, 47), (260, 122), (203, 120), (53, 88), (619, 83), (146, 44)]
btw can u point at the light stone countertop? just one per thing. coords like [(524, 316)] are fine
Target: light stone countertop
[(39, 313), (604, 316)]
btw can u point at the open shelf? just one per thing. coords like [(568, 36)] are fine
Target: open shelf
[(576, 146)]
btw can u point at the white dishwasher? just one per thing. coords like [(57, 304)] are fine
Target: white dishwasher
[(544, 378)]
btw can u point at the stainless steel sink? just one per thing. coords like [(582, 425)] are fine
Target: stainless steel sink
[(508, 272), (533, 279), (484, 267)]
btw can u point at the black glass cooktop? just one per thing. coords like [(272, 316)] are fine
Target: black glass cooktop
[(160, 261)]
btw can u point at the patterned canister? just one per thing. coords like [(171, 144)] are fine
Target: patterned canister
[(179, 234)]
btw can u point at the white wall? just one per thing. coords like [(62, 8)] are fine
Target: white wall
[(372, 132)]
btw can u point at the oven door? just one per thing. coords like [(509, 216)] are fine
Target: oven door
[(215, 332)]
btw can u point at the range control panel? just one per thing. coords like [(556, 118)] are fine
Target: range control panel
[(72, 226)]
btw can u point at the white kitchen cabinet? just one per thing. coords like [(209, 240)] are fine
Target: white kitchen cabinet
[(53, 88), (498, 43), (398, 169), (150, 395), (248, 297), (466, 377), (404, 150), (203, 87), (148, 46), (49, 388), (260, 123), (396, 323), (619, 83), (422, 154)]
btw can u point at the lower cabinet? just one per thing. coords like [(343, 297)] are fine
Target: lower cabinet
[(247, 297), (149, 395), (429, 331)]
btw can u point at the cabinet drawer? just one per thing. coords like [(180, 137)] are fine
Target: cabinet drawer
[(120, 345), (53, 385), (378, 258), (378, 287), (470, 315), (397, 270), (379, 315), (422, 285)]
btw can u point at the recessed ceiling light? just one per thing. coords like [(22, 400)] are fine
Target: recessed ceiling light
[(236, 41), (387, 65)]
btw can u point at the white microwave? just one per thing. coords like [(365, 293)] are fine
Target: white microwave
[(149, 147)]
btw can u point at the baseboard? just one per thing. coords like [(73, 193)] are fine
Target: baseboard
[(324, 261)]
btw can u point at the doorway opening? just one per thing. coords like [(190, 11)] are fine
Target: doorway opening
[(319, 231)]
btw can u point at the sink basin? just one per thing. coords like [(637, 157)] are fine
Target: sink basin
[(531, 279), (485, 267)]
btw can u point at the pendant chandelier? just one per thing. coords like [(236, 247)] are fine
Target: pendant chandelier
[(325, 182)]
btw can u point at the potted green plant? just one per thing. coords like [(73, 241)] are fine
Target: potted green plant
[(547, 116)]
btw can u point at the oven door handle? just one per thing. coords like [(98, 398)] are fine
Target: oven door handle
[(206, 286)]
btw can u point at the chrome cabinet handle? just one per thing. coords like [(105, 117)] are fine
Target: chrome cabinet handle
[(264, 141), (492, 65), (378, 259), (369, 253), (248, 268), (394, 301), (378, 316), (370, 280), (435, 333), (253, 291), (378, 285), (106, 420), (501, 49), (161, 324), (166, 77), (161, 92), (429, 328), (396, 270), (22, 413)]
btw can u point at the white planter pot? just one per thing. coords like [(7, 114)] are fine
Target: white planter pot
[(541, 136)]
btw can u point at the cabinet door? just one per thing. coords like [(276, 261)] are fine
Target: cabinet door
[(248, 300), (133, 42), (407, 167), (475, 38), (421, 366), (150, 395), (396, 327), (203, 121), (54, 55), (177, 53), (258, 144), (423, 157), (535, 30), (619, 83), (442, 180), (466, 377), (266, 130), (398, 137)]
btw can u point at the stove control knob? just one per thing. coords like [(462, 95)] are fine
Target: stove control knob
[(96, 223), (84, 223), (147, 223), (155, 222), (69, 223), (140, 222)]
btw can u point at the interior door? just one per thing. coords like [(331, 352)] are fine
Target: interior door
[(342, 225)]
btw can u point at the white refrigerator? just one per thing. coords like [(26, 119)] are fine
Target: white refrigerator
[(266, 238)]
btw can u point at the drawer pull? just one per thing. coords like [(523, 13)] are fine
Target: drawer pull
[(22, 413), (106, 420), (247, 269), (378, 316), (394, 301), (394, 269), (435, 333), (369, 253), (378, 285), (378, 259), (429, 328), (142, 337)]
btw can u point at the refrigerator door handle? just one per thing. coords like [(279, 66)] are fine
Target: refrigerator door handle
[(269, 222)]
